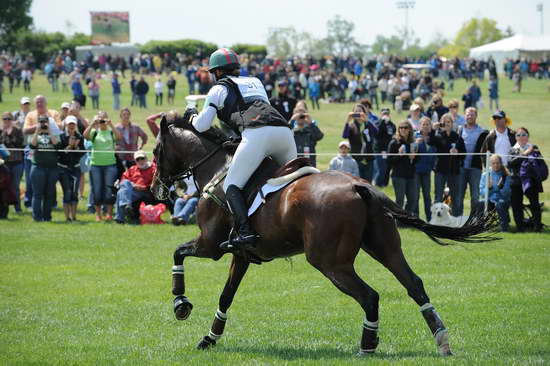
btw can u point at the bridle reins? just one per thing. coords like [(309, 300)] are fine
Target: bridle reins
[(166, 182)]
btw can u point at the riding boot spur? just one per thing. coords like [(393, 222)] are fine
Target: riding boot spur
[(246, 237)]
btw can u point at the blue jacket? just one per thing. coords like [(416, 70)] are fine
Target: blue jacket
[(499, 191), (427, 162), (116, 86)]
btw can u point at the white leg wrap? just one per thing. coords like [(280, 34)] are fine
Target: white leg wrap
[(370, 325), (177, 269), (214, 336), (221, 316), (426, 306)]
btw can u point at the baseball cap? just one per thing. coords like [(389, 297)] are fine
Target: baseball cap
[(414, 107), (71, 119), (139, 154), (65, 105), (385, 111), (344, 143), (282, 83), (25, 100), (499, 114)]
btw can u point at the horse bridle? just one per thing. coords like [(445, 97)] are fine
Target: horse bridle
[(165, 183)]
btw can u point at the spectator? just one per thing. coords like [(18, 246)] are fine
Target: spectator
[(473, 136), (171, 84), (159, 88), (343, 161), (447, 167), (44, 172), (93, 92), (130, 141), (152, 124), (135, 186), (133, 83), (475, 92), (526, 179), (424, 167), (20, 115), (358, 131), (501, 139), (186, 202), (314, 88), (205, 80), (436, 109), (26, 76), (103, 171), (7, 195), (493, 92), (402, 166), (415, 117), (386, 131), (517, 78), (64, 79), (142, 88), (499, 190), (63, 112), (458, 120), (69, 166), (467, 99), (115, 84), (82, 124), (191, 74), (306, 133), (78, 94), (283, 102), (11, 137)]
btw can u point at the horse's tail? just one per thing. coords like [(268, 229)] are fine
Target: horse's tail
[(480, 226)]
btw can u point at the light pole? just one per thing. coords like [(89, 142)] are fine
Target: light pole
[(408, 4), (539, 9)]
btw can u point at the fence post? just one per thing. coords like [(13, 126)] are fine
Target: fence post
[(487, 174)]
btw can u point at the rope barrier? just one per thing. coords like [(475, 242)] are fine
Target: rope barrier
[(300, 154)]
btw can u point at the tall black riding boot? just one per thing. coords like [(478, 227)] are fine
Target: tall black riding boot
[(246, 238)]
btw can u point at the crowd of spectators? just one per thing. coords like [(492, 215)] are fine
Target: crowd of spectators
[(402, 147)]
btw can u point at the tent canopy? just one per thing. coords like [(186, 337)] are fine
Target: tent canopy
[(513, 47)]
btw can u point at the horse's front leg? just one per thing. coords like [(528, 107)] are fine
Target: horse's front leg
[(238, 269), (182, 305)]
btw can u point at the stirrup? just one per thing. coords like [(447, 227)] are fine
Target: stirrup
[(246, 242)]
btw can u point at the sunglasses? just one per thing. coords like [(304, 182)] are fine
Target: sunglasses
[(138, 159), (403, 128), (522, 134), (7, 119), (102, 121)]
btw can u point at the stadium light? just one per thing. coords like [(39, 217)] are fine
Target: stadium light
[(540, 10), (406, 5)]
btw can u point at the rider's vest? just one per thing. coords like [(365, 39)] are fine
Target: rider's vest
[(247, 105)]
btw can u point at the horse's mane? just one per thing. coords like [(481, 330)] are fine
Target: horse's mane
[(213, 134)]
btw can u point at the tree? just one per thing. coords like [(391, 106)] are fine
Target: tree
[(280, 41), (477, 32), (509, 32), (340, 38), (251, 49), (14, 16), (388, 45)]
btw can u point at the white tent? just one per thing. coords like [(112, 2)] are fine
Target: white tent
[(513, 47)]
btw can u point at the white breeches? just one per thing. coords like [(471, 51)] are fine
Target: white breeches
[(257, 144)]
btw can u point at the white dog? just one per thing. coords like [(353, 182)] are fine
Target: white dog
[(441, 215)]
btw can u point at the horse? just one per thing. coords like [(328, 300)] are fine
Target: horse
[(311, 215)]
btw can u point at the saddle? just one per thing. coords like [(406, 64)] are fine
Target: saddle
[(267, 171)]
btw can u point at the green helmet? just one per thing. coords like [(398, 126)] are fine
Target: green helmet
[(223, 57)]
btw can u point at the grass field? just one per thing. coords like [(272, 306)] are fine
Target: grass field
[(99, 294)]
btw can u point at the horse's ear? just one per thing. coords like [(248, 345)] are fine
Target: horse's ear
[(163, 125)]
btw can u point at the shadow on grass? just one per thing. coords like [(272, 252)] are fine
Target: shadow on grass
[(318, 353)]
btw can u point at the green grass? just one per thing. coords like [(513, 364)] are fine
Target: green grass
[(99, 294)]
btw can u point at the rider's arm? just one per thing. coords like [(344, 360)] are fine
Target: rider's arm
[(214, 101)]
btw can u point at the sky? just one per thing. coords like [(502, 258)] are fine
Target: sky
[(225, 22)]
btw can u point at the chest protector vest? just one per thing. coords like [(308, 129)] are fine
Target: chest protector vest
[(247, 105)]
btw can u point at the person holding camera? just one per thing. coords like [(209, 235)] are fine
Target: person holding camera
[(436, 109), (424, 168), (447, 167), (386, 131), (306, 133), (103, 171), (402, 166), (44, 172), (69, 166), (499, 190), (361, 134), (12, 137)]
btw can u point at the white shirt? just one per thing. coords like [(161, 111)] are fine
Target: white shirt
[(502, 146), (158, 86), (249, 87)]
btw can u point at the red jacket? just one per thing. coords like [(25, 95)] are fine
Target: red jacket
[(140, 177)]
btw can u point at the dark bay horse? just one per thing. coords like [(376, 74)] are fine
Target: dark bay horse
[(329, 216)]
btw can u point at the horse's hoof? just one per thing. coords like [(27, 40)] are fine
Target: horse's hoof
[(182, 307), (442, 341), (445, 350), (205, 343)]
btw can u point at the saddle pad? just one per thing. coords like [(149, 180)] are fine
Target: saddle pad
[(266, 189)]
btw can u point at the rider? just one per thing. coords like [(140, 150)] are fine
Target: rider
[(242, 104)]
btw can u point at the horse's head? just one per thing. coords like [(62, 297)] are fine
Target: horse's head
[(179, 148)]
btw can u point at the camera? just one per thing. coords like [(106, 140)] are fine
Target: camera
[(356, 115), (43, 122), (301, 115)]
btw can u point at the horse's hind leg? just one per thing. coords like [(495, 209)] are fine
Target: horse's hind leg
[(384, 244), (238, 269), (339, 269)]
